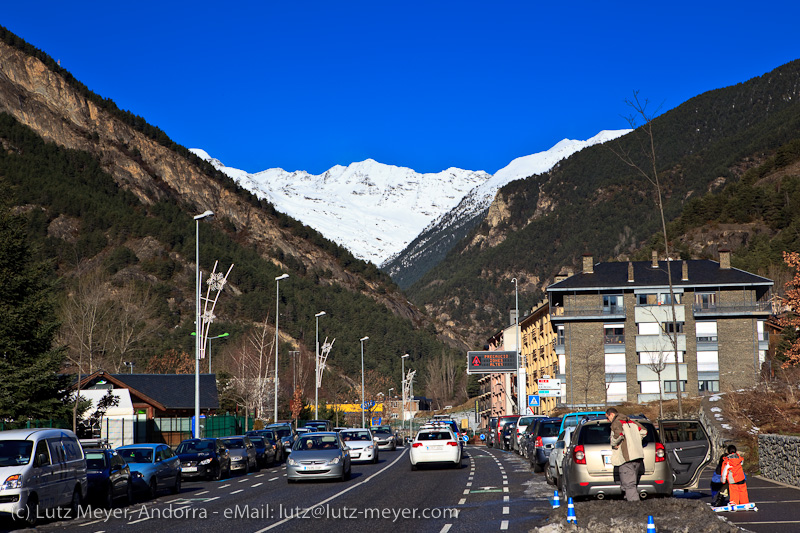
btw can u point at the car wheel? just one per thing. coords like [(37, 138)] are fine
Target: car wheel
[(153, 487), (413, 466), (548, 476), (31, 515), (108, 497), (176, 489), (217, 474), (75, 503)]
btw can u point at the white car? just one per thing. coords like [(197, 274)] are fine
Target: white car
[(435, 445), (554, 470), (361, 445)]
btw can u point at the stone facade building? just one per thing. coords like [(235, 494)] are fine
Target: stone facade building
[(615, 328)]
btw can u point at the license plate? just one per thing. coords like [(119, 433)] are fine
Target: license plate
[(607, 459), (189, 469), (313, 467), (434, 447)]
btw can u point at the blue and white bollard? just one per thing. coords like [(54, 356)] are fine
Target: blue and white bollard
[(571, 518), (556, 500), (651, 526)]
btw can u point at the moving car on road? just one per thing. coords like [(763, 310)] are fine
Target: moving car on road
[(153, 467), (361, 444), (321, 455), (435, 445), (384, 439), (207, 458)]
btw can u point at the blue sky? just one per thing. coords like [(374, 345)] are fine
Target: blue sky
[(426, 85)]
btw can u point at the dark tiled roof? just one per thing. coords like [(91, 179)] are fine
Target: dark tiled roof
[(702, 272), (175, 391)]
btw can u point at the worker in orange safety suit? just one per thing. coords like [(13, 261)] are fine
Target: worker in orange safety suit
[(733, 475)]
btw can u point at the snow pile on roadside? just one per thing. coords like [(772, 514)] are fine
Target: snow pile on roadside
[(670, 515)]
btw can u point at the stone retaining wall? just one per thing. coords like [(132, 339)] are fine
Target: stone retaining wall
[(779, 458)]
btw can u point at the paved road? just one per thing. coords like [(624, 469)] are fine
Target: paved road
[(778, 505), (494, 491)]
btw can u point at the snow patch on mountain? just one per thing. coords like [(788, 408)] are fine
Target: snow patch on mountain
[(375, 210)]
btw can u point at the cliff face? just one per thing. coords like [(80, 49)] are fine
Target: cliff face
[(47, 103)]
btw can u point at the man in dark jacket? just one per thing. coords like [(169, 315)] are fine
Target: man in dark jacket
[(628, 454)]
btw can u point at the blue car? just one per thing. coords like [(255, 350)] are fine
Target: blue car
[(109, 476), (153, 467)]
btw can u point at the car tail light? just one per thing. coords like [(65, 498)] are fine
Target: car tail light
[(452, 443), (539, 443), (660, 454), (579, 455), (416, 445)]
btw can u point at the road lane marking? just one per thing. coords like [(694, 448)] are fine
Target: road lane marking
[(223, 486), (469, 484), (505, 498), (243, 480), (506, 510), (446, 528), (201, 493), (256, 485), (504, 525), (462, 501), (261, 475), (90, 523), (237, 491), (273, 479), (340, 493), (466, 491)]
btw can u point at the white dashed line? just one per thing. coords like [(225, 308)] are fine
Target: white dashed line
[(469, 484), (506, 510), (223, 486), (466, 491), (504, 525), (273, 479), (462, 501), (446, 528), (256, 485), (237, 491), (201, 493), (505, 498)]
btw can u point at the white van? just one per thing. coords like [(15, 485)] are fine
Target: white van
[(42, 474)]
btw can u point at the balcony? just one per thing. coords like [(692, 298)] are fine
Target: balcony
[(732, 310), (600, 312)]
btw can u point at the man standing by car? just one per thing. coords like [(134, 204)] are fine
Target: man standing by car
[(628, 454)]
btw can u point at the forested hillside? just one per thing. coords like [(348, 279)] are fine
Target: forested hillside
[(594, 202), (109, 201)]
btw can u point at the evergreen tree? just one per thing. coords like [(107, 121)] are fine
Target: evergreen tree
[(31, 386)]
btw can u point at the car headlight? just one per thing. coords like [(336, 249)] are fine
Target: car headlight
[(291, 461), (334, 461), (12, 482), (137, 474), (369, 448), (205, 461)]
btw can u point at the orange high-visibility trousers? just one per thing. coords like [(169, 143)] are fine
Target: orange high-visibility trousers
[(738, 493)]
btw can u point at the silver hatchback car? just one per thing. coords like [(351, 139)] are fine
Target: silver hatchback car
[(320, 455), (674, 457)]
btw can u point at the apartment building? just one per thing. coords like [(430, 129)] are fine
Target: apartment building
[(619, 336)]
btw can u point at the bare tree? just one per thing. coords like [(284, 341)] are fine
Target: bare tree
[(442, 378), (588, 372), (134, 322), (658, 363), (248, 363), (648, 169)]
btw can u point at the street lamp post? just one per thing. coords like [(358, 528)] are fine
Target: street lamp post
[(197, 329), (316, 371), (522, 398), (277, 302), (209, 348), (403, 388), (130, 364), (363, 422)]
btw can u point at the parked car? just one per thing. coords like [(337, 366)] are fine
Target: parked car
[(272, 450), (285, 434), (318, 425), (588, 472), (435, 445), (522, 424), (361, 444), (153, 467), (40, 469), (503, 421), (491, 439), (573, 419), (541, 440), (243, 453), (384, 439), (208, 458), (108, 475), (553, 470), (321, 455), (265, 453)]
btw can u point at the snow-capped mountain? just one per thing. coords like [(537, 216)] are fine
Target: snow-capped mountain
[(372, 209), (376, 210)]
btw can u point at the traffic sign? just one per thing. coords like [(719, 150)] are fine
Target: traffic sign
[(491, 362), (376, 421), (549, 393), (549, 384), (533, 400)]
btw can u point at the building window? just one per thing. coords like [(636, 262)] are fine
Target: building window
[(672, 327), (649, 328), (705, 300), (669, 386), (614, 334), (706, 331), (647, 299), (613, 303), (665, 299), (560, 336), (708, 385)]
